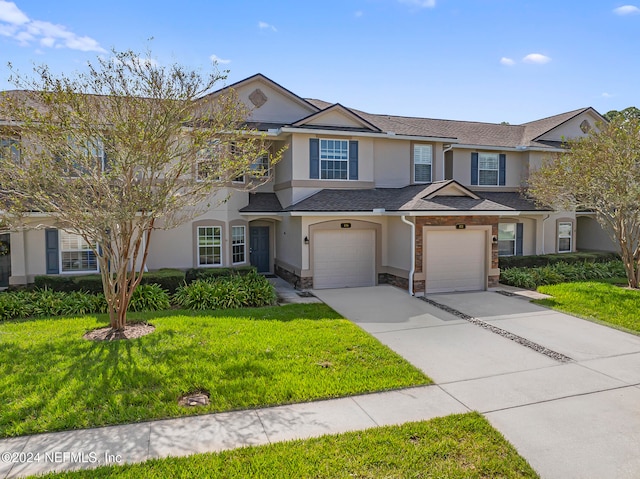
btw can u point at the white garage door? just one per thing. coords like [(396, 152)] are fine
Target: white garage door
[(455, 260), (344, 258)]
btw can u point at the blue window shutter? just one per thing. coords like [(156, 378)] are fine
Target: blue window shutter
[(353, 160), (502, 174), (314, 158), (51, 245), (519, 229), (474, 168)]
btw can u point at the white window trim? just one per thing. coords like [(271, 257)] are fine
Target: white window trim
[(570, 236), (497, 169), (514, 240), (259, 163), (214, 265), (320, 160), (244, 244), (61, 251), (416, 163)]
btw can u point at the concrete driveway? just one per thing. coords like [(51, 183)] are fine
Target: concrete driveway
[(575, 419)]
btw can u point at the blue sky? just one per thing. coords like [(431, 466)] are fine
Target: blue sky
[(482, 60)]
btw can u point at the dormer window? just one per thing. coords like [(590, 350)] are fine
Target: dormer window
[(422, 163)]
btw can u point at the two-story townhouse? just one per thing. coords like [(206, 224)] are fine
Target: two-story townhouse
[(361, 199)]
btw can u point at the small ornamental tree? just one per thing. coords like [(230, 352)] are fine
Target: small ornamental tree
[(600, 173), (119, 151)]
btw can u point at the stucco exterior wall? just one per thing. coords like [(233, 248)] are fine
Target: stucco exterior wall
[(516, 167), (392, 163), (591, 236), (277, 108)]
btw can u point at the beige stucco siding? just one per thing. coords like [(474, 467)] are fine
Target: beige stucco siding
[(392, 163), (289, 242), (398, 242), (591, 236), (277, 108), (516, 167)]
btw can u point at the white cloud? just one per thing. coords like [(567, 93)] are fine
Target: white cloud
[(626, 10), (15, 24), (606, 95), (266, 26), (358, 14), (217, 59), (538, 58), (507, 61), (10, 13), (419, 3)]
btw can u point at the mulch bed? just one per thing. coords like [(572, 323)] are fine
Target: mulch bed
[(131, 331)]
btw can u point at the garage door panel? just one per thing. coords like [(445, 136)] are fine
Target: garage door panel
[(343, 258), (455, 260)]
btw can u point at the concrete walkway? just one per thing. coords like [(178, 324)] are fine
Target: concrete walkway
[(579, 419)]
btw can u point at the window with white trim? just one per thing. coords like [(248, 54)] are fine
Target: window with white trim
[(506, 239), (422, 163), (565, 236), (238, 244), (260, 167), (208, 162), (334, 159), (488, 169), (209, 245), (83, 157), (76, 255), (9, 148)]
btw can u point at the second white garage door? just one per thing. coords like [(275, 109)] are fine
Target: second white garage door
[(344, 258), (455, 260)]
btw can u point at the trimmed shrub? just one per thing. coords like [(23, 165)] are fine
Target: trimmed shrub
[(195, 274), (237, 291), (149, 297), (549, 259), (531, 278), (168, 279)]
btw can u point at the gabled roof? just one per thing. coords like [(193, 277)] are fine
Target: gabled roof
[(537, 128), (337, 107), (269, 81), (413, 198)]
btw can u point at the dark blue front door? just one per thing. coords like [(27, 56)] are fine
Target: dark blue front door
[(259, 247)]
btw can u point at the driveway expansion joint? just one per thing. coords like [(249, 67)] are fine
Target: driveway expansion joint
[(501, 332)]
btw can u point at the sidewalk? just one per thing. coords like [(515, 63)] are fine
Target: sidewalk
[(89, 448)]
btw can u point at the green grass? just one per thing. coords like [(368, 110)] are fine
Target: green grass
[(52, 379), (452, 447), (602, 301)]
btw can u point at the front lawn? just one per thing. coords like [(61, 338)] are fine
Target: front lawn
[(601, 301), (452, 447), (52, 379)]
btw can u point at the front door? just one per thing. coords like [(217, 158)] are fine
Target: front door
[(5, 260), (259, 248)]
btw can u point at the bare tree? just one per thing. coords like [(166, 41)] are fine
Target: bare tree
[(109, 152), (600, 173)]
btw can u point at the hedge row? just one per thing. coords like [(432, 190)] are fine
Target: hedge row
[(168, 279), (233, 291), (561, 272), (549, 259)]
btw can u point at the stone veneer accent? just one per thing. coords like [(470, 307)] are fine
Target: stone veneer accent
[(392, 279), (421, 221), (294, 279)]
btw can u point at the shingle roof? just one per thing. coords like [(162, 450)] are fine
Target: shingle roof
[(410, 198), (467, 132), (262, 203)]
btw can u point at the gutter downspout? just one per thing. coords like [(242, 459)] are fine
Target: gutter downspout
[(412, 270), (444, 150)]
